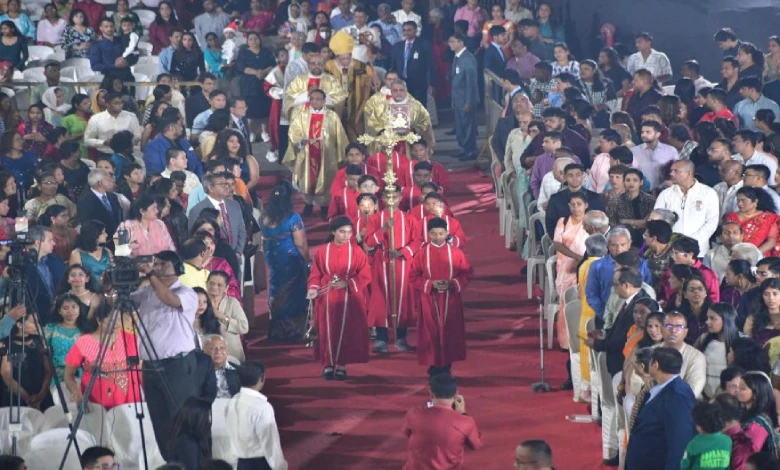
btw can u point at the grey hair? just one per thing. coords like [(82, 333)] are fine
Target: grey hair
[(560, 163), (596, 219), (96, 177), (747, 252), (37, 233), (668, 216), (207, 339), (209, 179), (596, 245), (619, 232), (398, 81)]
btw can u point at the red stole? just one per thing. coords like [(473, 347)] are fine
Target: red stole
[(315, 149), (313, 83)]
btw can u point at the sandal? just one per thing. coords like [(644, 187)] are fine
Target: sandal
[(327, 373), (341, 374)]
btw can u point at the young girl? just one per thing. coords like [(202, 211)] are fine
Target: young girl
[(564, 62), (212, 55), (34, 130), (32, 384), (69, 321)]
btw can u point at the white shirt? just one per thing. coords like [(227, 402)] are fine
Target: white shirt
[(190, 184), (252, 428), (698, 211), (702, 82), (217, 204), (657, 63), (102, 126), (550, 186), (402, 17), (759, 158), (359, 51), (727, 196)]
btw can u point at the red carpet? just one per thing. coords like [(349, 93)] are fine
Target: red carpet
[(357, 424)]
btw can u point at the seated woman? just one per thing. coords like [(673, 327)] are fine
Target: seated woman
[(765, 324), (739, 279), (150, 126), (69, 321), (148, 234), (35, 207), (90, 251), (215, 263), (760, 418), (695, 305), (117, 385), (716, 343), (756, 216), (32, 382), (34, 130), (229, 312), (678, 274)]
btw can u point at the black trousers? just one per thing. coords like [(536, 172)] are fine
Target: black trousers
[(259, 463), (381, 333), (181, 374)]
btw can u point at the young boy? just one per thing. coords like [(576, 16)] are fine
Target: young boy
[(551, 142), (439, 274), (356, 155), (344, 202), (710, 449), (731, 411), (132, 182), (129, 40), (436, 207), (421, 153), (419, 211), (381, 314), (423, 172)]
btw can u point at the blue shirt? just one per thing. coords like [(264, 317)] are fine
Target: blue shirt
[(197, 195), (199, 124), (746, 109), (599, 284), (340, 21), (166, 57), (23, 23), (392, 32)]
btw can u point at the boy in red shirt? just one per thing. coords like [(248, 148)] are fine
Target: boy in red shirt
[(344, 202), (421, 153)]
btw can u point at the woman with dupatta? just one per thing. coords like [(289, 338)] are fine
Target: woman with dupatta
[(756, 216), (287, 256), (339, 277)]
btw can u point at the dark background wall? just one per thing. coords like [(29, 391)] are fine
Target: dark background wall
[(682, 29)]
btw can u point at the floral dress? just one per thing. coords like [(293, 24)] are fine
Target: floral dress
[(71, 38)]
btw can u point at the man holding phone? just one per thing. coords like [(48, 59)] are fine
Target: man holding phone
[(440, 432)]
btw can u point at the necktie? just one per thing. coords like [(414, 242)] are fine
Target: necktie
[(104, 198), (407, 54), (242, 129), (226, 222), (501, 53)]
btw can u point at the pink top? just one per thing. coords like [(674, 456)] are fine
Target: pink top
[(475, 17), (757, 435), (599, 172), (149, 241)]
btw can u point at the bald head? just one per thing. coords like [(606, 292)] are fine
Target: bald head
[(731, 171)]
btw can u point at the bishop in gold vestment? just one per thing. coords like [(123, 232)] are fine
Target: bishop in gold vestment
[(297, 94), (354, 76), (317, 145)]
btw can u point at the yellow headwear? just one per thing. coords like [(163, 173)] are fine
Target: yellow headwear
[(342, 43)]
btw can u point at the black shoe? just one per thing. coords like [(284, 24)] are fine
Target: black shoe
[(327, 373), (341, 374), (568, 385), (324, 212), (308, 210), (452, 132), (613, 462)]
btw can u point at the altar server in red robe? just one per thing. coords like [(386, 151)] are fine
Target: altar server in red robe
[(423, 172), (436, 207), (419, 211), (421, 153), (356, 155), (439, 274), (381, 314), (344, 202), (339, 277)]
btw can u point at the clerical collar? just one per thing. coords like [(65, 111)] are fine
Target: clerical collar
[(403, 101), (318, 111)]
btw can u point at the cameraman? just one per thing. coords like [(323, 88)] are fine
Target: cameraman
[(44, 277), (167, 308), (439, 432)]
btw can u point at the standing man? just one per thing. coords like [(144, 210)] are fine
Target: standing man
[(729, 70), (46, 276), (317, 143), (353, 75), (727, 41), (167, 308), (100, 203), (745, 145), (105, 55), (695, 204), (440, 431), (297, 93), (104, 125), (412, 59), (465, 96), (343, 18), (210, 21), (495, 60), (645, 95), (717, 102), (530, 31), (690, 69), (199, 102), (664, 424), (647, 58), (406, 13), (391, 28), (296, 67), (652, 156), (217, 100), (558, 205), (238, 120), (166, 55), (366, 40), (233, 227)]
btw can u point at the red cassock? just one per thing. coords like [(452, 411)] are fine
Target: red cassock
[(379, 303), (439, 175), (344, 202), (274, 116), (340, 180), (418, 212), (453, 226), (441, 329), (411, 196), (340, 314), (378, 162)]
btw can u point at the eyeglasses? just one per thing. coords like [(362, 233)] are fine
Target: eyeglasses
[(672, 327)]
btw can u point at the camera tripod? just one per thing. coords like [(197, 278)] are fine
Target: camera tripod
[(123, 305)]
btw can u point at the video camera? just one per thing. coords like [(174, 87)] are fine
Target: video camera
[(122, 272), (21, 253)]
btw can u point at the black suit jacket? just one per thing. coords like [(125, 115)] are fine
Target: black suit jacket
[(494, 61), (615, 339), (662, 429), (206, 378), (419, 70), (558, 206), (772, 90), (90, 207), (246, 129)]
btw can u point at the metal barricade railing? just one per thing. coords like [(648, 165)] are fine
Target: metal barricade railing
[(494, 100)]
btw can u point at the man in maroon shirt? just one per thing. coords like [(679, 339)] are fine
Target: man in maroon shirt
[(439, 432)]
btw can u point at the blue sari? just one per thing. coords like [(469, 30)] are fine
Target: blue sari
[(289, 274)]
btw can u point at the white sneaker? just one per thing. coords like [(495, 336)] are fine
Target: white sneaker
[(252, 137), (272, 156), (265, 136)]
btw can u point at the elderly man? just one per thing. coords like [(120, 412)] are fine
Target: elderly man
[(100, 202), (731, 174), (599, 285), (696, 205), (227, 377), (233, 227), (596, 222), (354, 75), (297, 93), (391, 29)]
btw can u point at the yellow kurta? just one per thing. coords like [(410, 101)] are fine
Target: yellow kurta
[(334, 142), (585, 314), (377, 115), (358, 82), (300, 85)]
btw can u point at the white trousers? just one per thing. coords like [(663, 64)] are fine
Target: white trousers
[(609, 422)]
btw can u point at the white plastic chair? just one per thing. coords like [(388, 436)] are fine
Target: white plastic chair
[(551, 301), (93, 78), (126, 436), (149, 59), (39, 52), (76, 62), (47, 448), (668, 90), (69, 72), (535, 259), (495, 173), (8, 91), (34, 74), (56, 55), (572, 311), (145, 47), (32, 422), (142, 92), (570, 295), (145, 69), (146, 17)]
